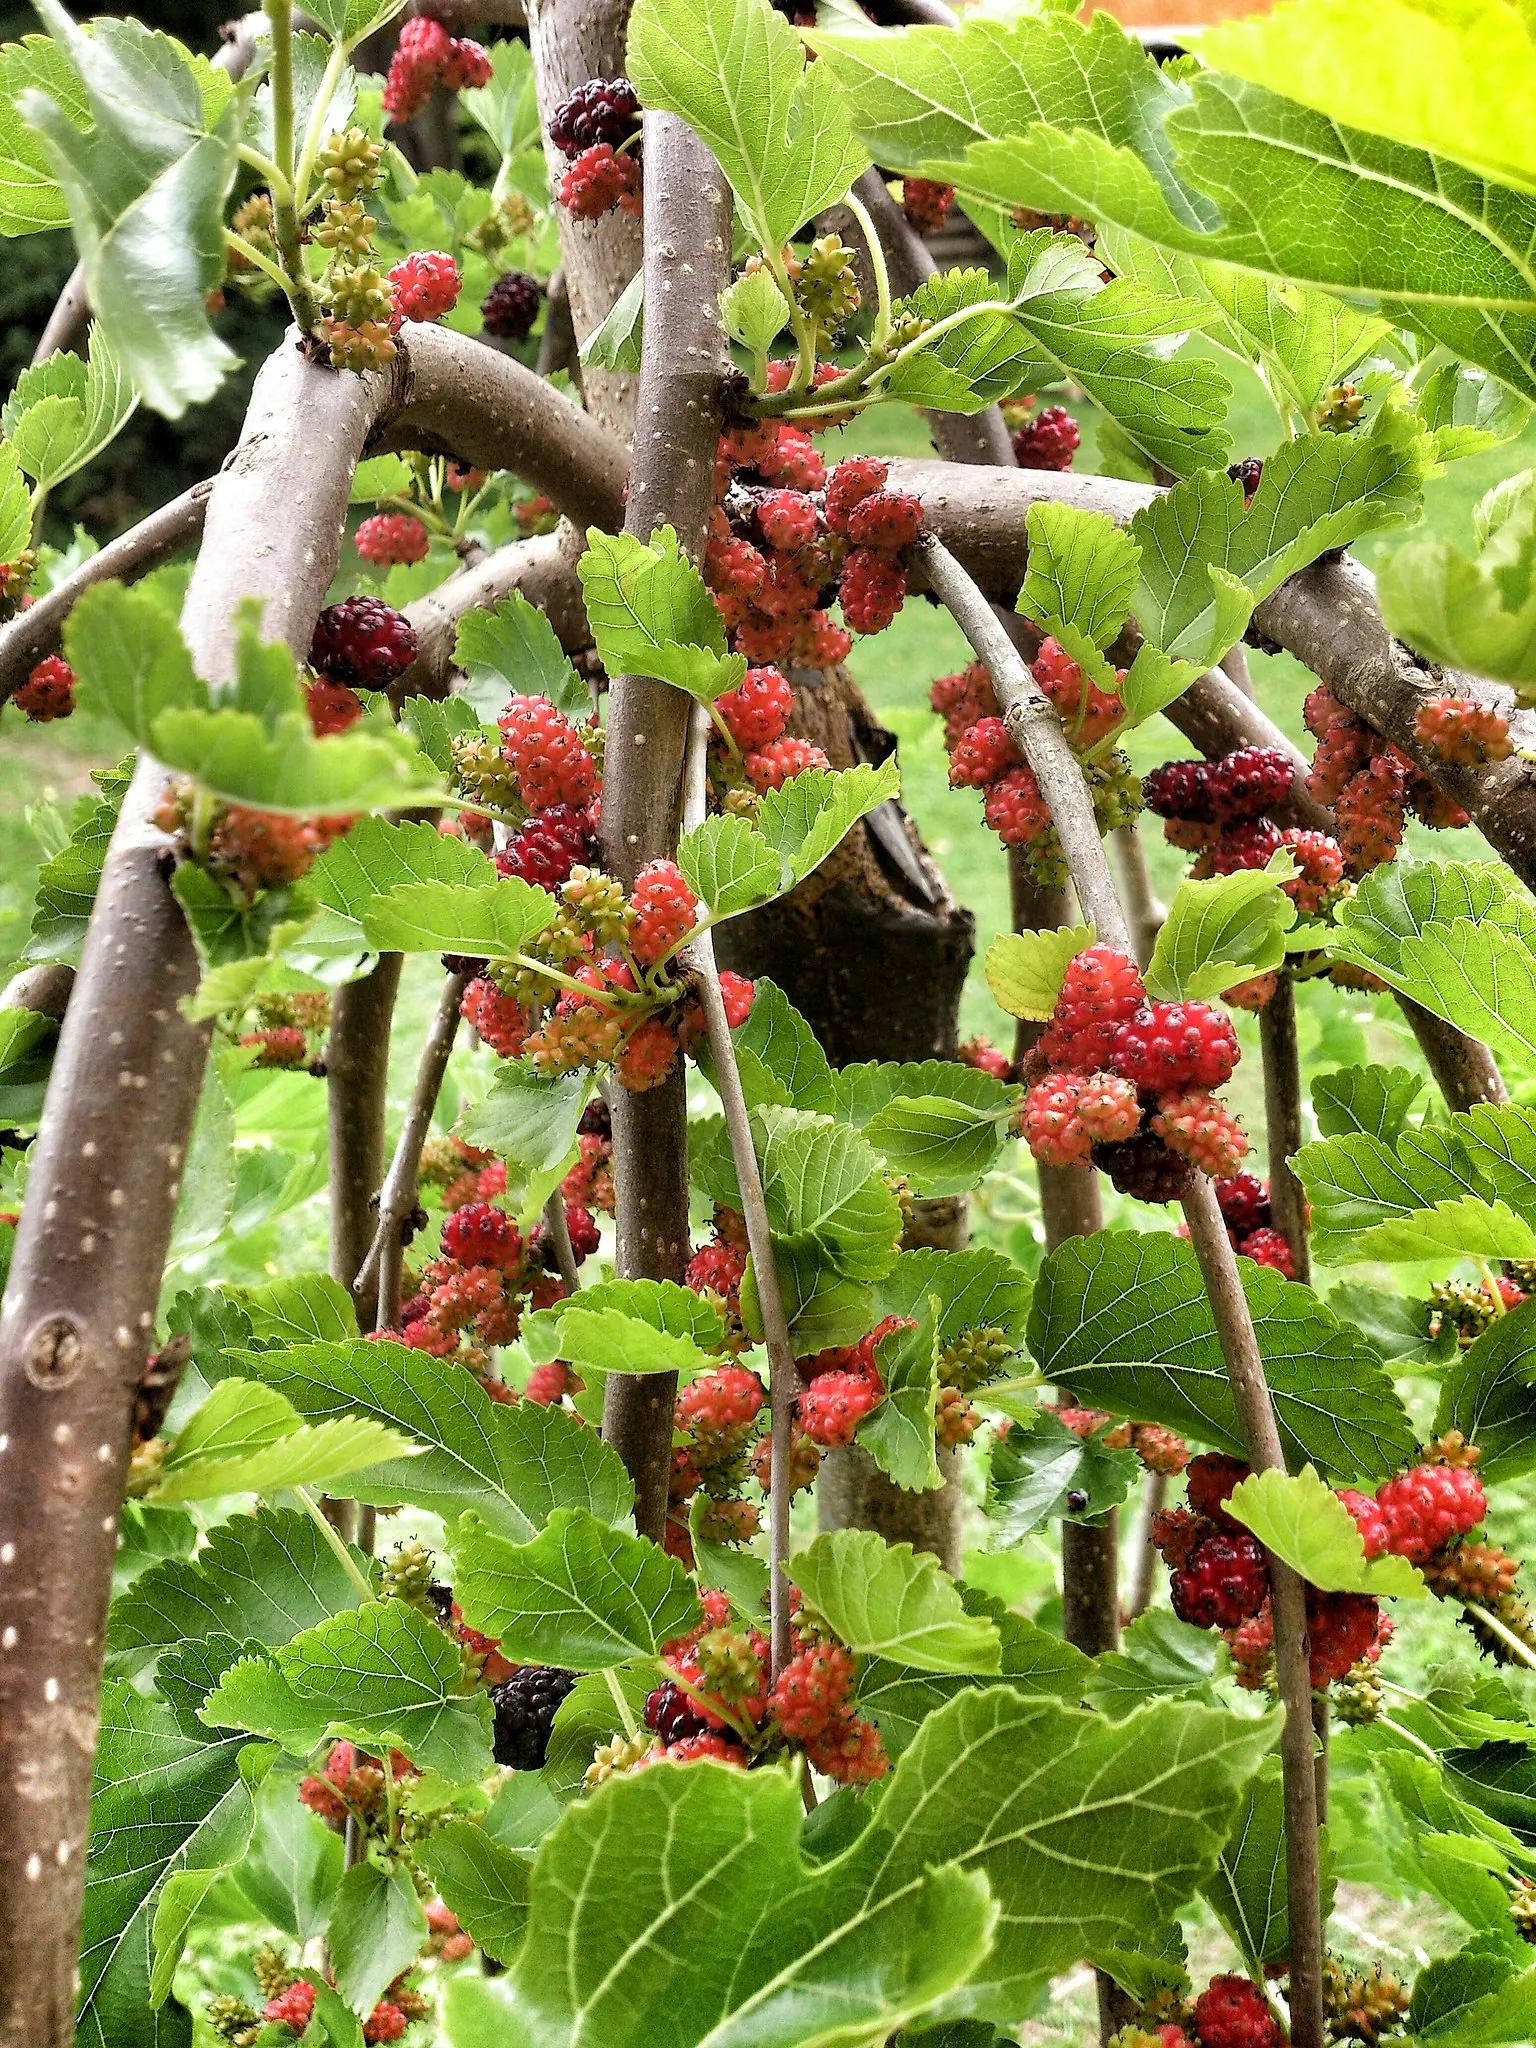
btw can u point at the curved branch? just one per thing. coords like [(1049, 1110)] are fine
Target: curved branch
[(543, 569)]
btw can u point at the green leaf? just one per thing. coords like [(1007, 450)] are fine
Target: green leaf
[(580, 1595), (1474, 1999), (618, 343), (513, 650), (129, 658), (661, 1305), (608, 1340), (1159, 1657), (729, 865), (146, 184), (970, 1290), (1248, 1890), (736, 73), (486, 1885), (651, 614), (778, 1056), (1036, 1475), (380, 477), (1376, 1100), (1401, 900), (887, 1600), (527, 1120), (822, 1182), (514, 1465), (1025, 970), (294, 1310), (494, 919), (1478, 614), (1081, 573), (506, 108), (378, 1927), (1489, 1394), (939, 1144), (589, 1715), (62, 412), (1122, 1320), (265, 1577), (371, 766), (754, 311), (821, 1305), (1444, 80), (378, 855), (247, 1438), (739, 1572), (383, 1675), (294, 1863), (1219, 932), (1034, 1661), (163, 1803), (1306, 1524), (898, 1432), (787, 1951), (806, 817), (30, 198), (1022, 1788), (1396, 1324)]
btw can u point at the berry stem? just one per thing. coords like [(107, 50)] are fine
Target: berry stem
[(627, 1719), (379, 1275), (860, 212), (285, 216), (783, 1384), (319, 121), (1282, 1119), (344, 1557), (254, 257), (1491, 1287), (712, 1701), (254, 159)]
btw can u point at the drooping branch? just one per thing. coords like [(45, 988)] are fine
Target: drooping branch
[(79, 1309), (783, 1384), (1464, 1069), (376, 1287), (687, 261), (1031, 720)]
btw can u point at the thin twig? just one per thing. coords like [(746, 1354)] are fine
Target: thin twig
[(783, 1385), (1031, 721), (1144, 913), (560, 1237), (379, 1274), (1282, 1119), (344, 1557)]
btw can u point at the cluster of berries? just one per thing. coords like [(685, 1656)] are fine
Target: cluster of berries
[(426, 56), (511, 306), (1047, 439), (1221, 1581), (719, 1703), (288, 1029), (926, 204), (15, 577), (1470, 1309), (752, 750), (288, 2000), (1161, 1451), (1462, 732), (49, 691), (388, 538), (982, 755), (1231, 2012), (597, 131), (1369, 784), (1107, 1058), (979, 1052), (1246, 1211), (787, 540)]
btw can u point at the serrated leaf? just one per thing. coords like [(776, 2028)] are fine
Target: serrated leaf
[(1153, 682), (62, 412), (378, 1927), (1248, 1890), (778, 1056), (939, 1145), (1219, 932), (580, 1595), (893, 1602), (822, 1182), (1489, 1394), (813, 812), (900, 1699), (1038, 1474), (378, 855), (163, 1804), (1159, 1657), (618, 342), (1025, 970), (246, 1438), (129, 658), (1478, 613), (30, 198), (371, 766), (898, 1432), (265, 1576), (505, 108), (1306, 1524), (294, 1863), (1401, 900), (1081, 572), (608, 1340), (754, 311), (734, 70), (380, 477), (485, 1884), (730, 866), (295, 1309), (651, 614), (731, 1567), (145, 184), (1477, 1998), (513, 650), (1396, 1324), (514, 1465), (527, 1120), (15, 502), (494, 919), (1122, 1321), (821, 1305), (1376, 1100), (831, 1960)]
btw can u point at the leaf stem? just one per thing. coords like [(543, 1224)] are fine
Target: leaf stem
[(269, 170), (626, 1714), (254, 257), (560, 1237), (783, 1382), (860, 212), (335, 64), (285, 218), (344, 1555)]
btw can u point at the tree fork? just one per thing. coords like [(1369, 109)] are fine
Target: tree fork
[(1032, 723), (672, 480)]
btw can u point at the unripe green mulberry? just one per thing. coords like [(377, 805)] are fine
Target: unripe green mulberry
[(827, 288), (349, 163), (346, 226), (485, 774), (974, 1357)]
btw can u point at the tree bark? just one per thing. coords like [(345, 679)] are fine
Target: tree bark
[(687, 264), (356, 1075), (1282, 1121)]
